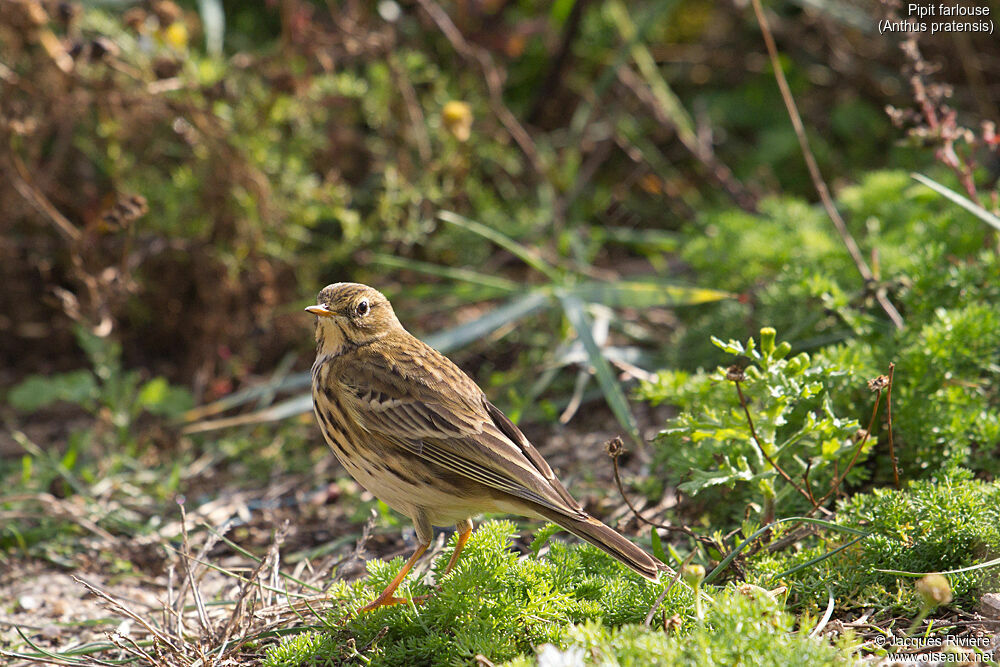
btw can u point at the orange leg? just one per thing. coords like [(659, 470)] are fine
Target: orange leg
[(464, 530), (387, 597)]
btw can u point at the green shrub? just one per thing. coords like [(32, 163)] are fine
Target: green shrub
[(710, 453), (800, 280)]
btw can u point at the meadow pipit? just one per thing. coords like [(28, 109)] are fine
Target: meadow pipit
[(421, 436)]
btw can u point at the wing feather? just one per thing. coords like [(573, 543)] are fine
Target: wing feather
[(443, 417)]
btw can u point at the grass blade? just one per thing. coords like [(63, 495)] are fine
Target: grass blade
[(529, 256), (644, 293), (963, 201), (451, 273), (817, 559), (979, 566), (804, 519), (291, 407), (249, 395), (613, 394), (667, 99)]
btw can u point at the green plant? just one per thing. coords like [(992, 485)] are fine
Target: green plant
[(766, 434), (743, 625), (493, 603), (949, 526), (115, 397)]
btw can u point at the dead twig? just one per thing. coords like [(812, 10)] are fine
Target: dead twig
[(251, 584), (21, 181), (189, 571), (615, 448), (888, 411), (814, 173), (877, 385), (122, 609)]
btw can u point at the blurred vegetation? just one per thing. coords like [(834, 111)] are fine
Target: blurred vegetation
[(586, 203)]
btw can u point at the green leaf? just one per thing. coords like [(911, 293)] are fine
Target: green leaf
[(657, 545), (529, 256), (159, 398), (542, 537), (701, 479), (38, 391), (452, 273), (732, 347), (644, 293)]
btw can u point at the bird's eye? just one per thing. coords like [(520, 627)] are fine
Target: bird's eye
[(362, 308)]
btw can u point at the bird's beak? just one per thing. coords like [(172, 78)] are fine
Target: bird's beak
[(320, 311)]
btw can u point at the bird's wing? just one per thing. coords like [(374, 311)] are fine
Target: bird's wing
[(442, 416)]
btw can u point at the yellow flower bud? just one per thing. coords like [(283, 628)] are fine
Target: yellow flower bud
[(457, 117)]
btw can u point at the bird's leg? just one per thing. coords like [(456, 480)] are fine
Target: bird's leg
[(387, 597), (464, 530)]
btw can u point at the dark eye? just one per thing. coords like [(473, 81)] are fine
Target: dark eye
[(362, 308)]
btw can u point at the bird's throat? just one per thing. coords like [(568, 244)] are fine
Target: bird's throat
[(331, 339)]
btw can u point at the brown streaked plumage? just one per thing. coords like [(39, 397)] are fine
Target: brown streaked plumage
[(418, 433)]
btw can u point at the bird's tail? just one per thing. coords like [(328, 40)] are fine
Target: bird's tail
[(606, 539)]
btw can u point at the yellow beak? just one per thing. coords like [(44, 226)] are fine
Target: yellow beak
[(321, 311)]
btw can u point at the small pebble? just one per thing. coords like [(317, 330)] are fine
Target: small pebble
[(29, 602), (991, 605)]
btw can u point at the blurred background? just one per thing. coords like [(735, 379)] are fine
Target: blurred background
[(284, 145)]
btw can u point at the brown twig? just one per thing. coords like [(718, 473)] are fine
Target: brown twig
[(615, 448), (877, 385), (121, 608), (189, 571), (417, 121), (21, 181), (888, 411), (813, 167), (236, 620), (805, 481)]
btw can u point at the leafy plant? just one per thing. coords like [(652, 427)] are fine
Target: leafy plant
[(767, 432), (106, 391), (743, 625)]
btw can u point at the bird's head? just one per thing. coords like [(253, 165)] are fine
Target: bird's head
[(352, 314)]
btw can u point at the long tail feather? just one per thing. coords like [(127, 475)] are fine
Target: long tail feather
[(609, 541)]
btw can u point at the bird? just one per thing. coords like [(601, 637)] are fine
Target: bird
[(419, 434)]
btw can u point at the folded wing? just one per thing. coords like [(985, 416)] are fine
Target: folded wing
[(449, 422)]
